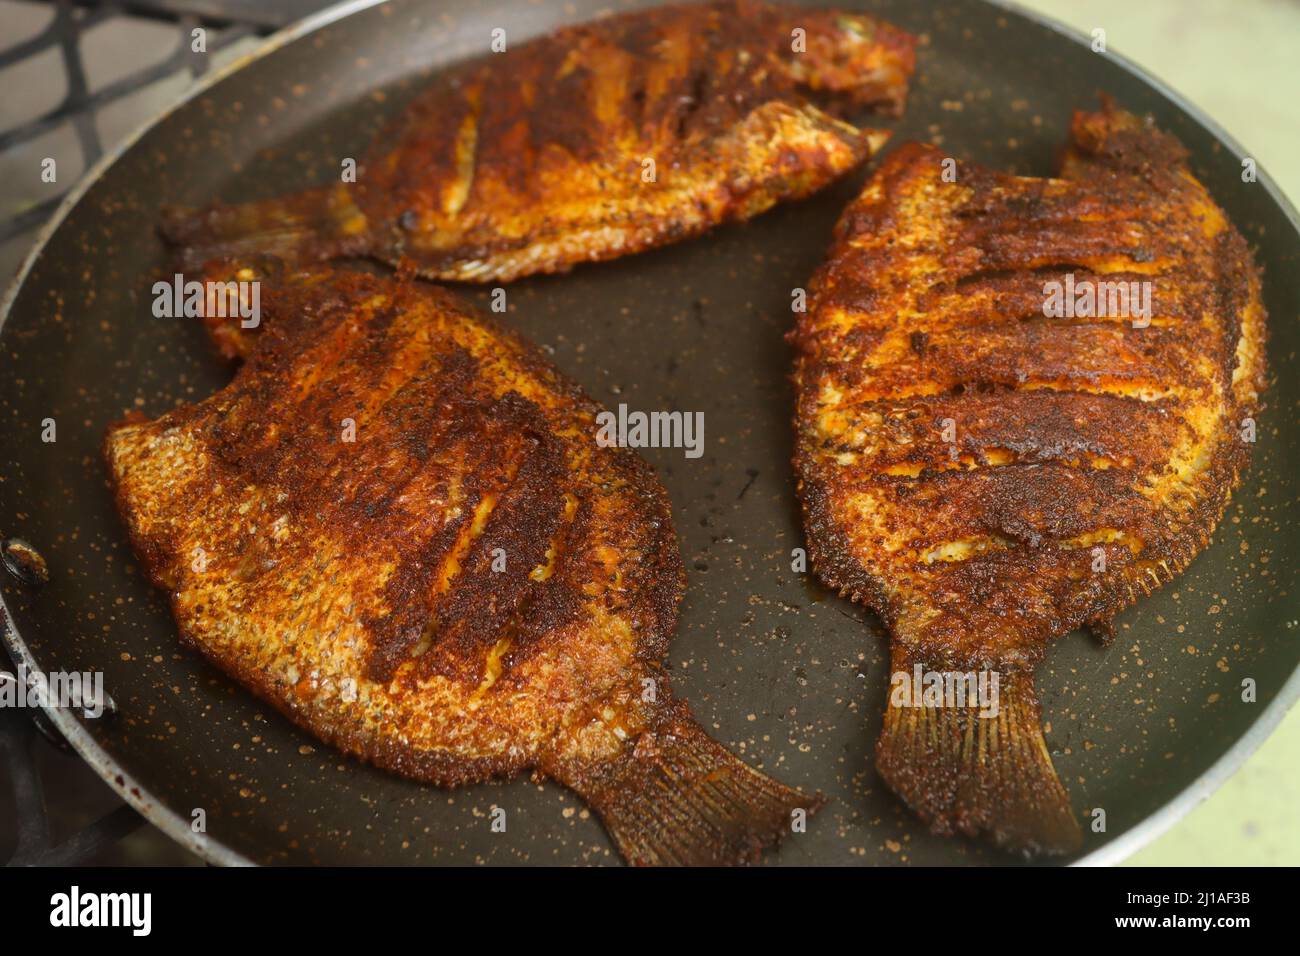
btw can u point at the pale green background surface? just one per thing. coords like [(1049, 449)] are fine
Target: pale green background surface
[(1239, 61)]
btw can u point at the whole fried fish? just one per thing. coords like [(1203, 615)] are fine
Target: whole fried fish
[(990, 461), (591, 143), (397, 526)]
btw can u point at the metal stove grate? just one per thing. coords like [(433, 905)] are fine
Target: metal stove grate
[(35, 844), (225, 22)]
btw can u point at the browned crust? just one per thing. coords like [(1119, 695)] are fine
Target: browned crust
[(964, 461), (533, 160), (713, 93), (469, 422), (1000, 244), (353, 583)]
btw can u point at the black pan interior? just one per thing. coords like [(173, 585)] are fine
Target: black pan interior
[(791, 677)]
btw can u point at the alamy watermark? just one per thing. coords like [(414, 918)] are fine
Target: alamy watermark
[(927, 688), (133, 911), (236, 298), (81, 690), (1089, 298), (626, 429)]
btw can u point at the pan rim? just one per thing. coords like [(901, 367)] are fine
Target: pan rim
[(87, 747), (214, 851), (1231, 760)]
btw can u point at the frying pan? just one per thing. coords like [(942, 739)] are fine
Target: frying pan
[(790, 676)]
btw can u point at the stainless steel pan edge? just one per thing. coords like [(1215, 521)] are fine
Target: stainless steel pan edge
[(1200, 789), (82, 742)]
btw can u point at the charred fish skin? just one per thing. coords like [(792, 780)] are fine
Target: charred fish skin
[(988, 477), (396, 526), (591, 143)]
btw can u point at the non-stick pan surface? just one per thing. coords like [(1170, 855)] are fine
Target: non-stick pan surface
[(791, 677)]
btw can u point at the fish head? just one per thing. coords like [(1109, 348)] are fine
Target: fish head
[(851, 60)]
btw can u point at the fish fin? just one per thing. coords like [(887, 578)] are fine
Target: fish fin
[(962, 772), (1103, 629), (320, 223), (676, 797)]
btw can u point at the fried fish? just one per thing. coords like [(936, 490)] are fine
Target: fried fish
[(989, 471), (396, 525), (593, 142)]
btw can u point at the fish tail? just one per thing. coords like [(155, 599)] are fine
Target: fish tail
[(978, 764), (676, 797), (320, 223)]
